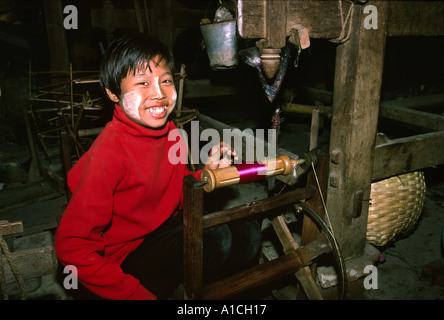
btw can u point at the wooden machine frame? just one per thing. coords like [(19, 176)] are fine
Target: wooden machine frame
[(356, 161)]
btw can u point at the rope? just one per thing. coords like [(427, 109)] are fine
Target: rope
[(342, 37), (14, 269)]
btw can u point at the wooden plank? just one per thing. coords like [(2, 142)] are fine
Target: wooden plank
[(193, 237), (397, 109), (421, 119), (264, 273), (358, 78), (7, 228), (284, 234), (252, 278), (415, 18), (419, 102), (322, 18), (26, 194), (252, 18), (408, 154), (31, 263), (256, 207)]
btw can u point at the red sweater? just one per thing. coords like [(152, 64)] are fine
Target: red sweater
[(123, 188)]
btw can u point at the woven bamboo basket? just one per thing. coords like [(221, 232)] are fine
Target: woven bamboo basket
[(396, 205)]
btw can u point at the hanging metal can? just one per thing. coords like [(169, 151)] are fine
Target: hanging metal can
[(221, 44)]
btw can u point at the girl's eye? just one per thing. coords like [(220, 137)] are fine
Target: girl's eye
[(143, 83)]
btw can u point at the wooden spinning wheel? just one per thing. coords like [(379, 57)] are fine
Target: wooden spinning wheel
[(296, 259)]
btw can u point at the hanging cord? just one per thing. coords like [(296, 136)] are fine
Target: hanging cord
[(322, 198), (349, 19), (336, 250), (14, 269), (338, 255), (327, 229)]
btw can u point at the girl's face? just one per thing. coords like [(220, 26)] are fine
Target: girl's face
[(148, 96)]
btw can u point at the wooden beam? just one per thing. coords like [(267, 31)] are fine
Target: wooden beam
[(31, 263), (276, 18), (264, 273), (402, 110), (58, 47), (7, 228), (415, 18), (252, 278), (322, 18), (408, 154), (358, 78), (257, 207), (421, 119)]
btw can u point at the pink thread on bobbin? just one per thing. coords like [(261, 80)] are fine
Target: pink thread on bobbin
[(251, 172)]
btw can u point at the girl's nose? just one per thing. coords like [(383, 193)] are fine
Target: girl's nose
[(157, 91)]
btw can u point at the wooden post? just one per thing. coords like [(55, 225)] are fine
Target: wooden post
[(34, 169), (58, 47), (358, 77), (193, 237)]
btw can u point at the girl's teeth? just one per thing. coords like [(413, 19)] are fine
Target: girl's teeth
[(157, 109)]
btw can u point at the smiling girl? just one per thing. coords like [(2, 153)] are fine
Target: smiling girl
[(122, 229)]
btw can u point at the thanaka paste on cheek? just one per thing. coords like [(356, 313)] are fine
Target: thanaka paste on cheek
[(130, 103)]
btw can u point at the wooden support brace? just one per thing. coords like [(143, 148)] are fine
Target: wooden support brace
[(257, 207), (264, 273), (304, 275), (408, 154)]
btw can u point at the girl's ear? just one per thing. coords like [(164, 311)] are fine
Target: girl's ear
[(111, 95)]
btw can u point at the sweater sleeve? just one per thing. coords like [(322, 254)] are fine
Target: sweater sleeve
[(80, 237)]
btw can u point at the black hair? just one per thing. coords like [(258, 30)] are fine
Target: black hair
[(129, 53)]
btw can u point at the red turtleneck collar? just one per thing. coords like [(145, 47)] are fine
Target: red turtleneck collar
[(138, 130)]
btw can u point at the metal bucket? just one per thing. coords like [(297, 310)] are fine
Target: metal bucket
[(221, 43)]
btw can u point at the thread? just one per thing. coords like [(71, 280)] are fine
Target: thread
[(251, 172)]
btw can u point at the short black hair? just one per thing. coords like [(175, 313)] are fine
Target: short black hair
[(128, 53)]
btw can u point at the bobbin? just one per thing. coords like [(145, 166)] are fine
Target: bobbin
[(245, 173)]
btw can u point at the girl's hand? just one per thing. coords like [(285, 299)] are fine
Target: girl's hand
[(221, 156)]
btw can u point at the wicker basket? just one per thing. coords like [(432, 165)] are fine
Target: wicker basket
[(396, 204)]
